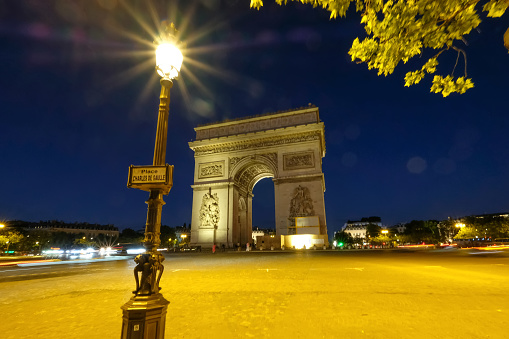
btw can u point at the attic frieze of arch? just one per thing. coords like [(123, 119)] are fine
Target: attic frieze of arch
[(293, 118), (258, 143)]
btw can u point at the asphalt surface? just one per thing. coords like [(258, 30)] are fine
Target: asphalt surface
[(21, 270), (290, 294)]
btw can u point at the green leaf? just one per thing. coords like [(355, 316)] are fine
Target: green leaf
[(430, 66), (496, 8), (447, 85), (256, 4), (412, 78)]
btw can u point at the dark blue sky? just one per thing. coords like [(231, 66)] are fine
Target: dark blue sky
[(79, 100)]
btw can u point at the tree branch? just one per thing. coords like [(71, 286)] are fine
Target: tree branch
[(456, 64), (459, 50)]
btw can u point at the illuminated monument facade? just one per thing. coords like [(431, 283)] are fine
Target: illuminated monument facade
[(232, 156)]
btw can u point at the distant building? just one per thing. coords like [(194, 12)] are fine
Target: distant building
[(88, 230), (493, 215), (399, 227), (260, 233), (257, 233), (357, 229)]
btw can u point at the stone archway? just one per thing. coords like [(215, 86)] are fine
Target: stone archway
[(245, 173), (232, 156)]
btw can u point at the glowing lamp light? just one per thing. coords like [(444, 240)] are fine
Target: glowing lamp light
[(168, 60)]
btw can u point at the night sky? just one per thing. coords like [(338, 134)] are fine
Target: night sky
[(79, 99)]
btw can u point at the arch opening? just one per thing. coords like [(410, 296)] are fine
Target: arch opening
[(264, 210), (245, 179)]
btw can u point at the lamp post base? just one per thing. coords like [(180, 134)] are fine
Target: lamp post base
[(144, 317)]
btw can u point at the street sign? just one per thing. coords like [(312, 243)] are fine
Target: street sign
[(147, 178)]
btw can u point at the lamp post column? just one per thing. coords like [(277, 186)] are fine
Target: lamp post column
[(144, 315), (162, 123), (155, 202)]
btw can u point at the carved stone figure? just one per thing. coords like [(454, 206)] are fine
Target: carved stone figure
[(233, 162), (151, 269), (213, 170), (209, 211), (301, 204), (299, 160)]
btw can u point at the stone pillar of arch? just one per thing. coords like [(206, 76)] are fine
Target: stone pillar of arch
[(232, 156)]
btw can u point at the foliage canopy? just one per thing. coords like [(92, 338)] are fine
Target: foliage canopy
[(402, 29), (343, 237), (10, 238), (485, 227), (373, 230)]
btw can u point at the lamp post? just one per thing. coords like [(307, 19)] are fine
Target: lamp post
[(144, 315)]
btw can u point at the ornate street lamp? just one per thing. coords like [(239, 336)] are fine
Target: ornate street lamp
[(144, 315)]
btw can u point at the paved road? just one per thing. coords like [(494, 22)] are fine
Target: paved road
[(28, 270), (303, 294)]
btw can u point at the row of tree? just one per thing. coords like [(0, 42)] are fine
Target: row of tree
[(21, 240), (36, 241), (488, 228), (168, 236)]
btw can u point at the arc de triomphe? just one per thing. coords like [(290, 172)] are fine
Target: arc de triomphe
[(232, 156)]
